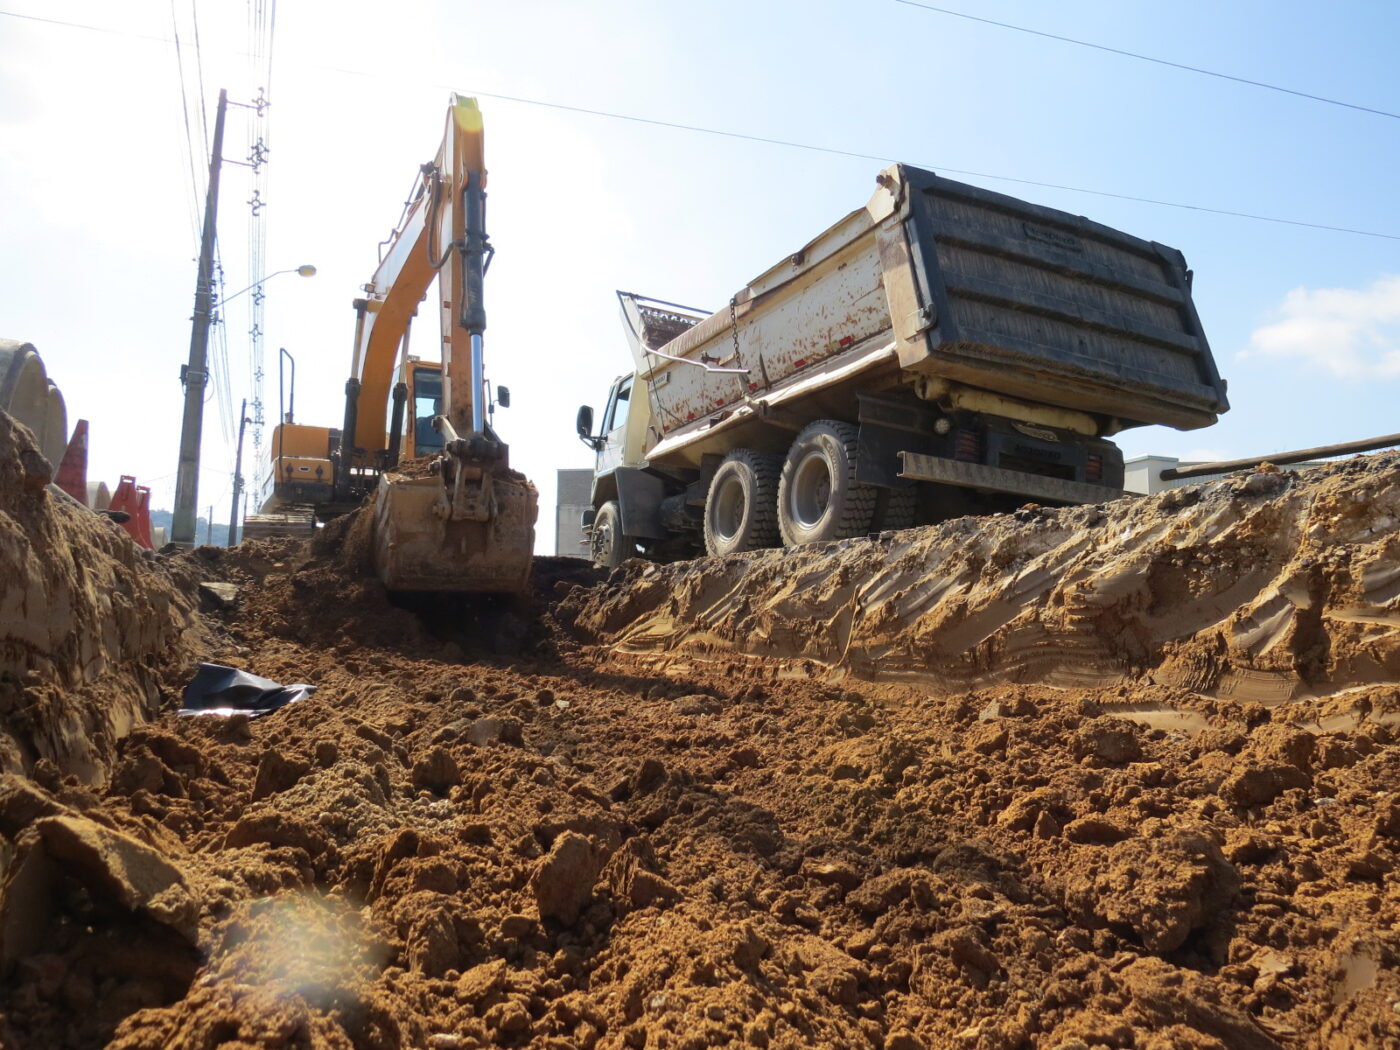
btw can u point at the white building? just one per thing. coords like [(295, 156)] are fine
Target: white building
[(575, 495), (1144, 474)]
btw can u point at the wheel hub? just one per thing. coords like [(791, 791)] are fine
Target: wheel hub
[(602, 540), (811, 490), (730, 506)]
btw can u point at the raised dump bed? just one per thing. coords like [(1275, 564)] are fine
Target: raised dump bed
[(943, 333)]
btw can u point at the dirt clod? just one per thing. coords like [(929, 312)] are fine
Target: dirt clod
[(1079, 778), (563, 881), (436, 771)]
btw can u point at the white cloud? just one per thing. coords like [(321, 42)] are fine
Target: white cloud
[(1354, 333)]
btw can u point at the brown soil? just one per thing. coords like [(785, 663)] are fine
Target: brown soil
[(1039, 781), (89, 623)]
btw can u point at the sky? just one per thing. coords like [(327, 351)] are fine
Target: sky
[(103, 188)]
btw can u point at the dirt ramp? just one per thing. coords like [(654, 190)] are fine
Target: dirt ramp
[(1264, 585), (87, 622)]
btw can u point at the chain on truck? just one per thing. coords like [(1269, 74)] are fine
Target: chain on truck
[(944, 350)]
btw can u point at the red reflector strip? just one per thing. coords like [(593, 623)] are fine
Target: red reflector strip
[(848, 340), (1093, 467), (801, 362), (967, 446)]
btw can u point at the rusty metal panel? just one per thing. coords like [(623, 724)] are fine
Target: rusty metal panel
[(789, 322)]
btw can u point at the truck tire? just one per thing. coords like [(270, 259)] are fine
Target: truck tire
[(902, 509), (741, 508), (818, 498), (606, 543)]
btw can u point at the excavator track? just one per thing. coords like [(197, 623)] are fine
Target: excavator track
[(298, 520)]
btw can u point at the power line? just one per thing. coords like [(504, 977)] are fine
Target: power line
[(199, 68), (941, 167), (1149, 58), (829, 150), (262, 16), (221, 389), (185, 110)]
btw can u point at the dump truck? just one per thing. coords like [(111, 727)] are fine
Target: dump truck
[(452, 516), (944, 350)]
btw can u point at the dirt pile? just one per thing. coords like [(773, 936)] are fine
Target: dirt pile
[(1263, 586), (595, 844), (89, 623)]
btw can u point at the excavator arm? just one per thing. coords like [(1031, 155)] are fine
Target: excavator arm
[(442, 234), (469, 525)]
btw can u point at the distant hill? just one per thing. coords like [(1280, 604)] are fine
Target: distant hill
[(202, 534)]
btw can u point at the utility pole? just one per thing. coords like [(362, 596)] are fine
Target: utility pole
[(209, 527), (195, 374), (237, 476)]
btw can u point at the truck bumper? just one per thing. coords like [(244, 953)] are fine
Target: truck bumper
[(920, 467)]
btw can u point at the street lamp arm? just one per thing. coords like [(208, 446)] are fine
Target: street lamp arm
[(306, 270)]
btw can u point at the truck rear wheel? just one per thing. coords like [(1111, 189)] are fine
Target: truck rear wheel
[(818, 497), (902, 509), (741, 508), (606, 543)]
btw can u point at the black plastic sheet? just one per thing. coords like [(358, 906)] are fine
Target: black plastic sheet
[(224, 691)]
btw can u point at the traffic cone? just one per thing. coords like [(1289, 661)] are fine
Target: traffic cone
[(72, 469), (142, 519), (126, 501)]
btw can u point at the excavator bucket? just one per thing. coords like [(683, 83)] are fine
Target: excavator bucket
[(419, 547)]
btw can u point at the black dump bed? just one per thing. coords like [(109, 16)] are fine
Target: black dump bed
[(1040, 304)]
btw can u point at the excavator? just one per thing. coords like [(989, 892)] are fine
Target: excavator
[(447, 512)]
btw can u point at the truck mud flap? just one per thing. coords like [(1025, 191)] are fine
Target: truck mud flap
[(919, 467), (639, 497)]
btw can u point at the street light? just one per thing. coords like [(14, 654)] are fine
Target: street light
[(237, 478), (306, 270)]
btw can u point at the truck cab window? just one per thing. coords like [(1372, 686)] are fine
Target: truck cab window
[(617, 415), (427, 403)]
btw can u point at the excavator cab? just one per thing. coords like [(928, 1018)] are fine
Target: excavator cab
[(426, 398)]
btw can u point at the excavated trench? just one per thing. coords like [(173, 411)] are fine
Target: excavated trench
[(1102, 777)]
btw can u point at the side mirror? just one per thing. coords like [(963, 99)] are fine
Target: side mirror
[(503, 396), (584, 425)]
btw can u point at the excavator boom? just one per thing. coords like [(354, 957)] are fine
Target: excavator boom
[(442, 234), (469, 525)]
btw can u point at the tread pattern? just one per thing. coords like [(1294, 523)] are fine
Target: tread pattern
[(761, 501), (902, 509), (767, 472), (858, 510)]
